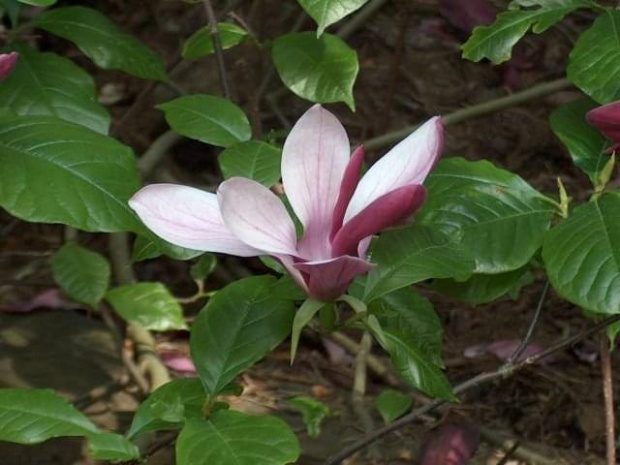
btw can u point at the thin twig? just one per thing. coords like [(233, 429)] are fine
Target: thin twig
[(504, 371), (361, 372), (217, 47), (608, 394), (530, 330), (475, 111), (360, 18)]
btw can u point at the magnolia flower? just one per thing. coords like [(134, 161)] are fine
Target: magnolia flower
[(7, 63), (339, 212), (607, 120)]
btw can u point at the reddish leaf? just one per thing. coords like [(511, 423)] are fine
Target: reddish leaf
[(51, 299), (452, 443), (467, 14)]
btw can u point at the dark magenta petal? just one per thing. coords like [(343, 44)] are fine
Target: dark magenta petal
[(329, 279), (7, 63), (388, 210), (607, 120), (349, 182)]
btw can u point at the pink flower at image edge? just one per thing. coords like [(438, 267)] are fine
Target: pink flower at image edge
[(7, 63), (340, 210), (606, 119)]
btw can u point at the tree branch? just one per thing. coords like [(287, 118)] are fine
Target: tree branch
[(506, 370), (475, 111), (217, 47), (530, 331)]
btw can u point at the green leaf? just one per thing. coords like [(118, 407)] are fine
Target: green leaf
[(483, 288), (209, 119), (328, 12), (53, 171), (112, 447), (412, 336), (146, 248), (99, 39), (83, 274), (254, 160), (492, 213), (239, 326), (413, 317), (582, 255), (31, 416), (312, 411), (415, 367), (392, 404), (200, 43), (48, 84), (594, 63), (38, 2), (496, 41), (413, 254), (169, 406), (234, 438), (204, 266), (584, 142), (10, 8), (149, 304), (303, 316), (322, 70)]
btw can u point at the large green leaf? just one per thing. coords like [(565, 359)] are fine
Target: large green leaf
[(413, 317), (99, 39), (483, 288), (496, 41), (169, 406), (149, 304), (582, 255), (584, 142), (238, 327), (207, 118), (494, 214), (594, 64), (82, 273), (200, 43), (53, 171), (415, 367), (321, 70), (410, 255), (30, 416), (254, 160), (112, 447), (412, 335), (328, 12), (234, 438), (48, 84)]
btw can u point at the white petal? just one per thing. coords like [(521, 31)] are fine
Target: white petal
[(257, 216), (407, 163), (314, 159), (187, 217)]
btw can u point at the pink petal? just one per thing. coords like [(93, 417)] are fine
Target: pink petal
[(329, 279), (7, 63), (607, 120), (347, 188), (314, 159), (187, 217), (406, 164), (257, 216), (389, 210), (178, 362), (298, 277)]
